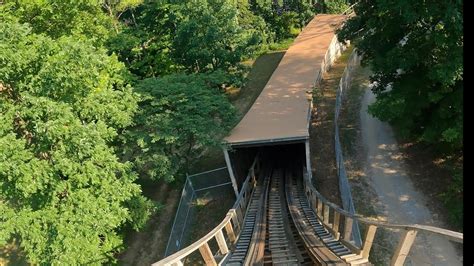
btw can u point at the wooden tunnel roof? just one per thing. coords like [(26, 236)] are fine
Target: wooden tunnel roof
[(281, 111)]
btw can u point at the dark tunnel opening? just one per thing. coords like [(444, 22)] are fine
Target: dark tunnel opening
[(274, 156)]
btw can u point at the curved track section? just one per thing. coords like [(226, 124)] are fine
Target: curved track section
[(280, 228)]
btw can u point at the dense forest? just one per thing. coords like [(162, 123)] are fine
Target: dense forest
[(95, 95)]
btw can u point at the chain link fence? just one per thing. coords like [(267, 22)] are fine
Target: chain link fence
[(344, 187), (209, 184)]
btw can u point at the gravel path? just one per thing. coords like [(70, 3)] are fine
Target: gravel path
[(402, 203)]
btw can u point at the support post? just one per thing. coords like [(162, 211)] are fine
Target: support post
[(404, 246), (231, 172), (369, 239), (347, 229), (326, 214), (221, 242), (335, 224), (308, 161), (230, 232), (207, 256)]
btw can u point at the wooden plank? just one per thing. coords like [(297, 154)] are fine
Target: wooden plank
[(221, 243), (369, 238), (320, 209), (403, 248), (348, 229), (206, 254), (230, 232), (335, 224), (326, 214)]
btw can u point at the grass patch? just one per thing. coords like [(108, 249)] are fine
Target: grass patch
[(282, 45), (261, 70), (349, 118)]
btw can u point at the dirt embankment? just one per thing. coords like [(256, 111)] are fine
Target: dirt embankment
[(148, 245), (323, 159), (382, 173)]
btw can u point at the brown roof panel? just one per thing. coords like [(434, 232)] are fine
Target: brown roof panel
[(280, 113)]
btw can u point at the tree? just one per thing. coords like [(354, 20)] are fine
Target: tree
[(83, 19), (180, 116), (144, 45), (415, 50), (336, 6), (210, 37), (284, 18), (63, 191), (116, 8)]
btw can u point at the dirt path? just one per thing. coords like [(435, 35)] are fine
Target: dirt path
[(402, 203)]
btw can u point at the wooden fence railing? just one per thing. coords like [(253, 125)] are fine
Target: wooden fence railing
[(341, 219), (231, 226)]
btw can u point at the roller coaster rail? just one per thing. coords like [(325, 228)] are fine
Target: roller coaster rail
[(323, 208)]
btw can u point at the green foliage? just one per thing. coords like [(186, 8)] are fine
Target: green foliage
[(416, 50), (63, 190), (255, 27), (179, 117), (140, 210), (336, 6), (210, 37), (453, 199), (83, 19), (283, 17), (144, 45)]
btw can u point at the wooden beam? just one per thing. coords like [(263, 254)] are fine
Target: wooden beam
[(206, 254), (320, 209), (230, 232), (369, 238), (326, 214), (231, 172), (335, 224), (221, 243), (403, 248), (348, 229)]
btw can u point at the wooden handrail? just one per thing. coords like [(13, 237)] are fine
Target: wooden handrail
[(455, 236), (202, 243), (196, 245)]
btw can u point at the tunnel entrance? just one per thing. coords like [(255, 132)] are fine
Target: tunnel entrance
[(283, 155)]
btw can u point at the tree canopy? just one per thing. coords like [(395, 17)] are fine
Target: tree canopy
[(83, 19), (415, 50), (63, 190), (180, 117)]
